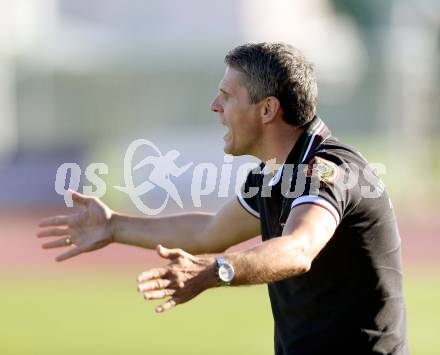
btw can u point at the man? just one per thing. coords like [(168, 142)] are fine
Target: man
[(331, 249)]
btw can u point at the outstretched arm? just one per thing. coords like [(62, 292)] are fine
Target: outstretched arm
[(197, 233), (96, 225), (307, 231)]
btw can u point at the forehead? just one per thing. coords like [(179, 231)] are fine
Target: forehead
[(232, 80)]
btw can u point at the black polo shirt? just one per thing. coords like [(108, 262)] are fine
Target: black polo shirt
[(351, 300)]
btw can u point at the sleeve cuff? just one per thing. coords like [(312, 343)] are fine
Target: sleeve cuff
[(247, 207), (320, 201)]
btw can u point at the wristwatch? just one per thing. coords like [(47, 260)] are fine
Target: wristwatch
[(225, 271)]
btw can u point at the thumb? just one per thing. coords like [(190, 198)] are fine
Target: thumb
[(78, 198), (168, 253)]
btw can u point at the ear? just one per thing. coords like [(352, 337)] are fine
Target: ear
[(270, 109)]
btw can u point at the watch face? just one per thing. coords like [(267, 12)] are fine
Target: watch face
[(226, 273)]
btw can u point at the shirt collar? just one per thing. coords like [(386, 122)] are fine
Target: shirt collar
[(315, 132)]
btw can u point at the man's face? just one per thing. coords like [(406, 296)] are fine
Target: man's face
[(238, 114)]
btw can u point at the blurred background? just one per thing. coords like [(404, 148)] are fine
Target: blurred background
[(80, 80)]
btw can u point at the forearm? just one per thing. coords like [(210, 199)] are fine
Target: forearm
[(270, 261), (307, 231), (178, 231), (305, 234)]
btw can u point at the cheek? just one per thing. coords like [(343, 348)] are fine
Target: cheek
[(242, 120), (229, 109), (235, 114)]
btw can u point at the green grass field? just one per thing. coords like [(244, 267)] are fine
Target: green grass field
[(103, 314)]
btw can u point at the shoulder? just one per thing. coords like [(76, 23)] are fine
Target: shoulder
[(340, 153)]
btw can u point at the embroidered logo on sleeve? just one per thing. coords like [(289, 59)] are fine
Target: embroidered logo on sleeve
[(325, 170)]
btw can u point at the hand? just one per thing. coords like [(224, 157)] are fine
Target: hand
[(183, 278), (87, 230)]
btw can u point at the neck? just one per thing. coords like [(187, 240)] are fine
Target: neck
[(277, 143)]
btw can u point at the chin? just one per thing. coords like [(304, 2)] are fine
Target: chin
[(228, 149)]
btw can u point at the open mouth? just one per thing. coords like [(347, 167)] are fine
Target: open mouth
[(228, 134)]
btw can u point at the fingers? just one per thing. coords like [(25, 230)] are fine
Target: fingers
[(159, 294), (55, 244), (54, 232), (61, 220), (154, 285), (157, 288), (171, 253), (152, 274), (69, 254), (72, 219), (168, 281), (167, 305), (54, 221)]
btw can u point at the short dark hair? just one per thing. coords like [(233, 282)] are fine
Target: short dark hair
[(279, 70)]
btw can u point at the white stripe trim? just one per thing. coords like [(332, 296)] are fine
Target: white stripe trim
[(265, 170), (320, 201), (321, 124), (277, 176), (247, 207)]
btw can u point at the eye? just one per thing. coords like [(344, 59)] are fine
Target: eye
[(223, 93)]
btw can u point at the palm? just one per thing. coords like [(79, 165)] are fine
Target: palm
[(88, 229), (92, 227)]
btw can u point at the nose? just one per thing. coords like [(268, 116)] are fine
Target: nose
[(215, 105)]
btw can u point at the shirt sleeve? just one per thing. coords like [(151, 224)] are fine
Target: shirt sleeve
[(321, 182), (250, 191)]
